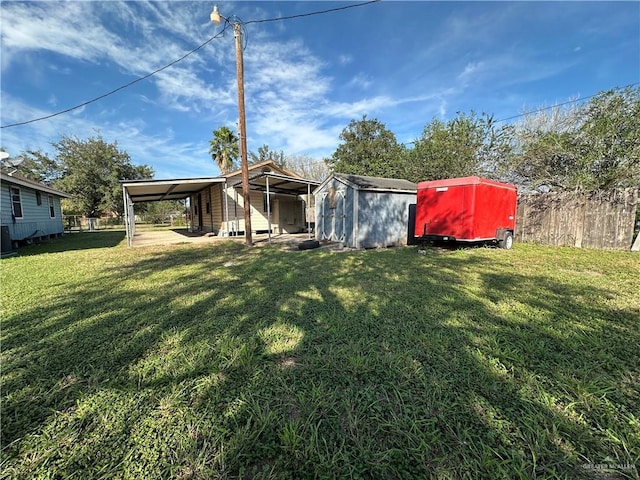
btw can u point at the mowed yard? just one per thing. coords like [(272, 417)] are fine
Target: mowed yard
[(218, 361)]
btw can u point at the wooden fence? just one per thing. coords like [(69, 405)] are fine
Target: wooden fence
[(603, 219)]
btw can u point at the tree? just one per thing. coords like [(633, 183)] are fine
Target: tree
[(264, 154), (224, 149), (37, 166), (466, 145), (368, 148), (609, 139), (91, 170), (307, 167), (594, 146), (163, 211)]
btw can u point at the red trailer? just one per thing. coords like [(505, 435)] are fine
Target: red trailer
[(468, 209)]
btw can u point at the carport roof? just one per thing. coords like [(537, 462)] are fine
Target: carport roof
[(279, 183), (174, 189)]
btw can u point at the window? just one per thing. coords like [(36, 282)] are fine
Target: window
[(52, 207), (38, 198), (16, 202)]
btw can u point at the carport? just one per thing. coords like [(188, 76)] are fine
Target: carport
[(138, 191), (276, 183)]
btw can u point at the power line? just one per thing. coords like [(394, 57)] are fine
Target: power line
[(337, 9), (122, 87), (127, 85), (558, 105)]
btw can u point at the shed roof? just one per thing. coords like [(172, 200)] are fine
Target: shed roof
[(362, 182), (27, 182)]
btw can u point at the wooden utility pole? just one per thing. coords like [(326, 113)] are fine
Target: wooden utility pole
[(244, 164)]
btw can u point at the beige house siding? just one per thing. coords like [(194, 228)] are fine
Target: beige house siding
[(217, 209), (287, 212), (291, 215)]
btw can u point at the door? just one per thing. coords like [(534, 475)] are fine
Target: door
[(199, 211), (333, 215)]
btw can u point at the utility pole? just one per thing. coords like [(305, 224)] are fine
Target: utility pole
[(244, 163)]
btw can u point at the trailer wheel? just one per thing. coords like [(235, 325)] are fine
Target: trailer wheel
[(507, 241)]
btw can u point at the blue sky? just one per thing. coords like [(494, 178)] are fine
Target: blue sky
[(305, 79)]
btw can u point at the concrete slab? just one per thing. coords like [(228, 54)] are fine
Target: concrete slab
[(179, 236)]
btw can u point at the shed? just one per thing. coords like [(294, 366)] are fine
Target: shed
[(364, 212), (30, 210)]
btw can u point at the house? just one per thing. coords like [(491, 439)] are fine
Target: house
[(364, 212), (30, 211), (220, 208), (280, 201)]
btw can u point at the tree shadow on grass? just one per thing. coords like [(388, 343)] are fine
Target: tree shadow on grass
[(228, 362)]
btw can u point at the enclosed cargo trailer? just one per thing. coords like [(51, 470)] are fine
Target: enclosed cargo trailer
[(467, 209)]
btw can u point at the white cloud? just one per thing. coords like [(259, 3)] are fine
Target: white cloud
[(77, 30), (345, 59), (160, 149), (442, 108), (66, 29), (470, 69), (360, 81)]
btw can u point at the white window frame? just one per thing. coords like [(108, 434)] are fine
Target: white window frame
[(13, 210), (52, 207)]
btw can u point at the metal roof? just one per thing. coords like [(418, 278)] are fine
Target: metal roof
[(380, 184), (279, 183), (27, 182), (174, 189)]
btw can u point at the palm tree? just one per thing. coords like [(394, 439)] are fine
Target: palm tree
[(224, 150)]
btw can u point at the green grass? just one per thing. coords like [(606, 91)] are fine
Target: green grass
[(217, 361)]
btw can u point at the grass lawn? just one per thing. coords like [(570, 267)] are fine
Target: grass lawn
[(218, 361)]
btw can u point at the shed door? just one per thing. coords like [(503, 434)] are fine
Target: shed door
[(333, 216)]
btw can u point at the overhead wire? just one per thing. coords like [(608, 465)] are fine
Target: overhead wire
[(122, 87), (144, 77), (321, 12), (568, 102), (245, 35)]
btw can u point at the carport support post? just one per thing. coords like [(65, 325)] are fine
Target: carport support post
[(126, 214), (235, 211), (308, 209), (268, 210), (226, 207)]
